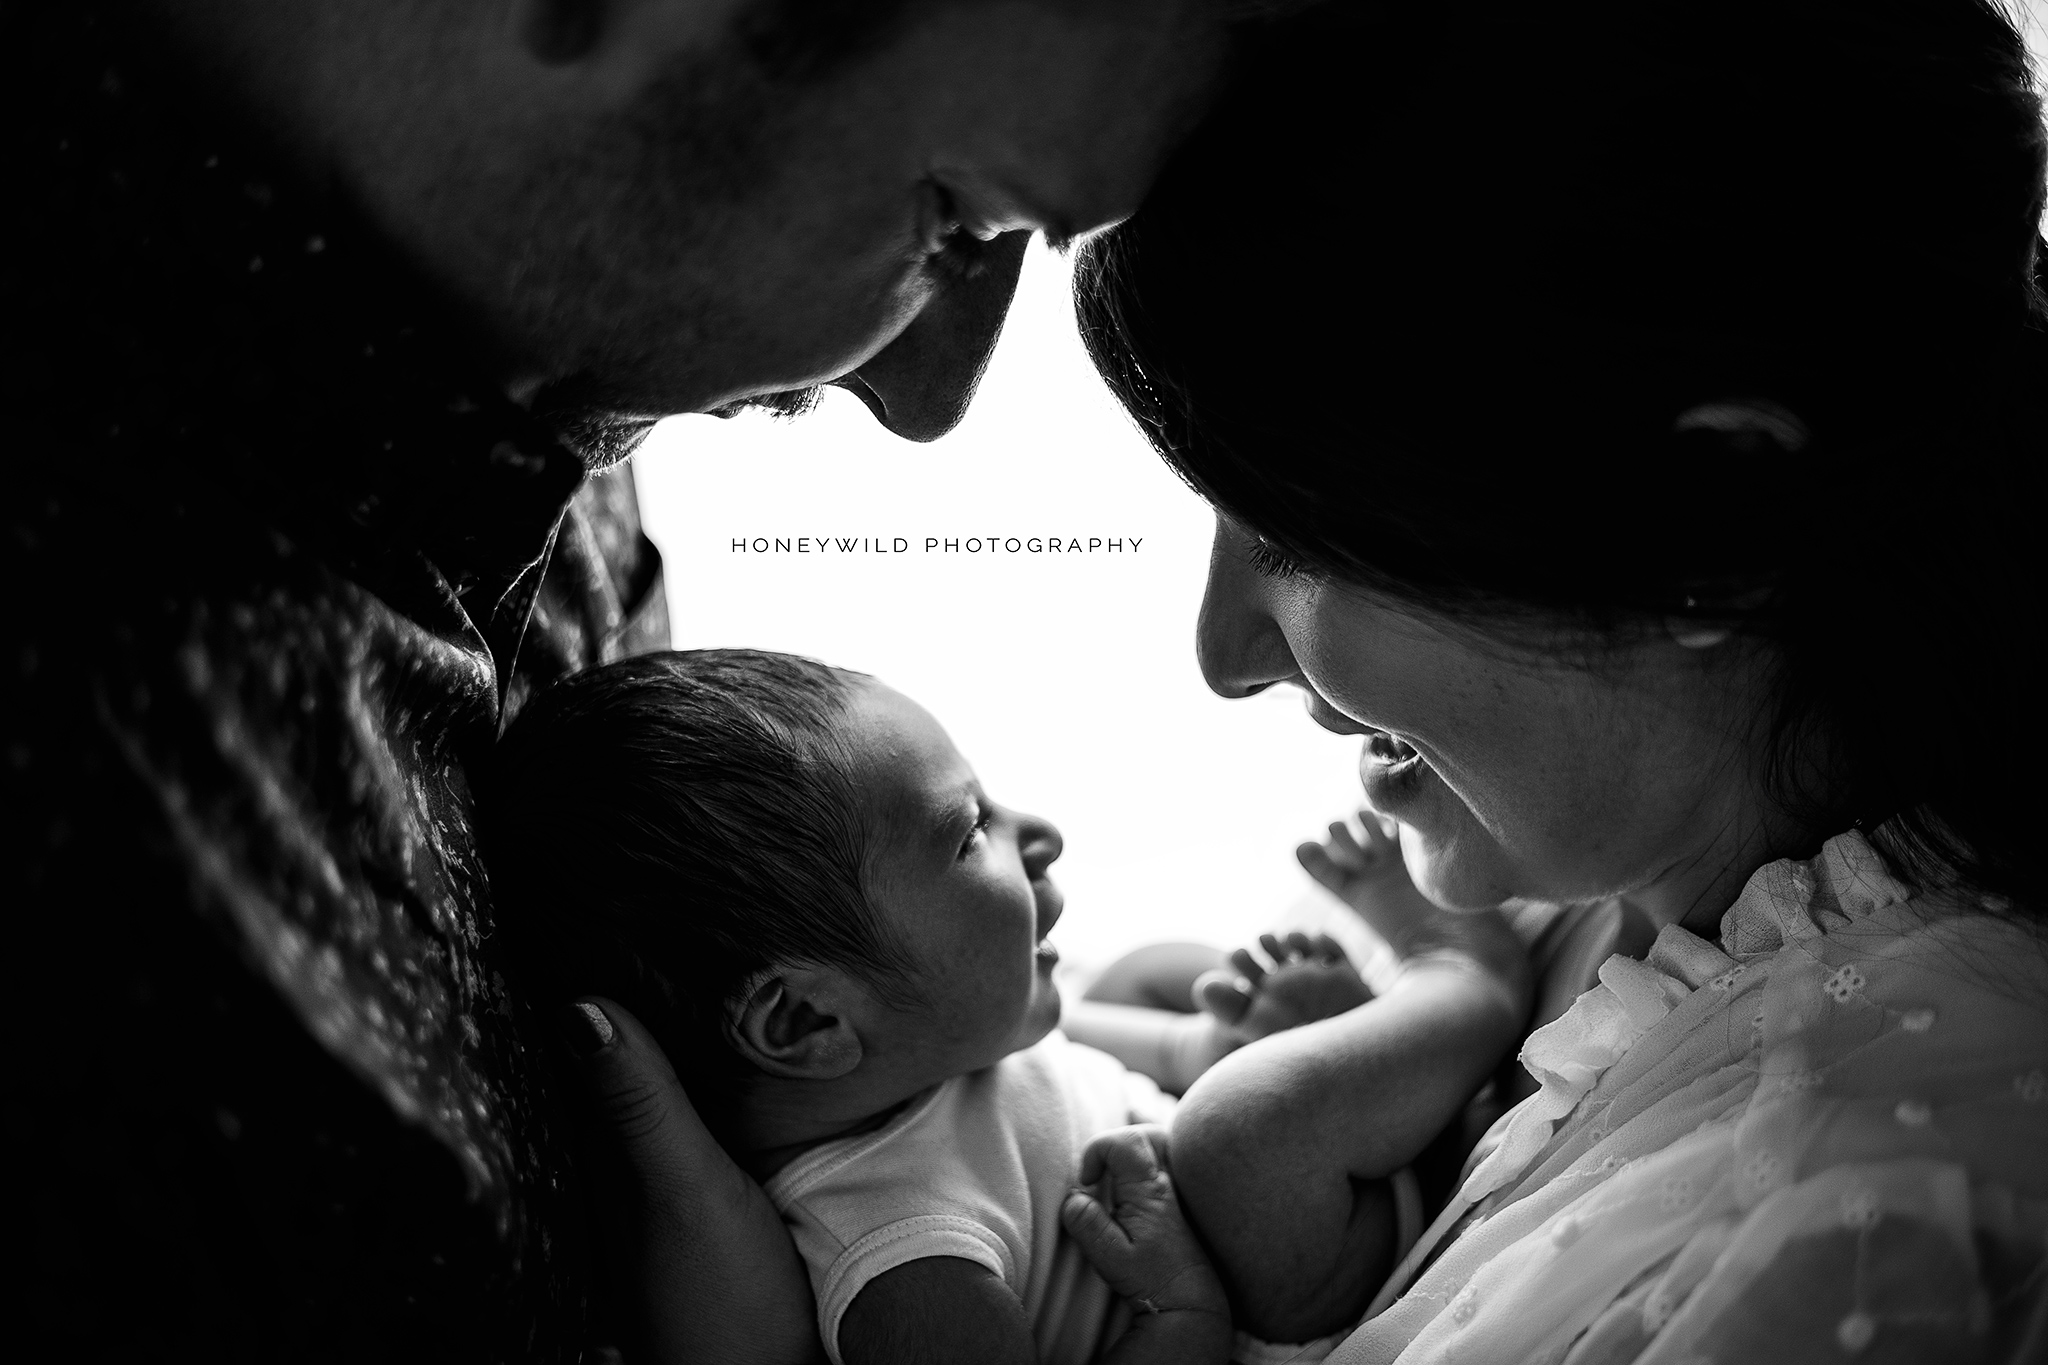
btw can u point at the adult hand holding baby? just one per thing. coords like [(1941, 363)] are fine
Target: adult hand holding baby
[(702, 1262)]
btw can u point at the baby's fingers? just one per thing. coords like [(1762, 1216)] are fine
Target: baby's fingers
[(1248, 967), (1382, 837), (1316, 861), (1223, 994), (1090, 1225), (1129, 1156), (1342, 843)]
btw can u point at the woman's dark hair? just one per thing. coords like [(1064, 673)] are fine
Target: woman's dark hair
[(658, 830), (1724, 308)]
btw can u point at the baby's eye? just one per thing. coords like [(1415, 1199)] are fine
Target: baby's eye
[(981, 822)]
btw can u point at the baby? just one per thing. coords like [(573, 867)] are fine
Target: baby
[(790, 874)]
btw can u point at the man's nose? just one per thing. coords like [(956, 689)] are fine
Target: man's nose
[(919, 385), (1239, 644)]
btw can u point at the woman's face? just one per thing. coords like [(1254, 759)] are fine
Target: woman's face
[(1512, 773)]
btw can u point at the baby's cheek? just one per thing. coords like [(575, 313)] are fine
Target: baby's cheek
[(989, 998)]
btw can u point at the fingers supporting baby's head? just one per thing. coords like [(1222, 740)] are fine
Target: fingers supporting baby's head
[(664, 829)]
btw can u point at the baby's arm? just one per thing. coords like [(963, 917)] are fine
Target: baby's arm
[(1142, 1245), (1282, 1149), (940, 1309)]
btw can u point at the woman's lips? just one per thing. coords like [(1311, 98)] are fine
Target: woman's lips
[(1381, 747), (1391, 770), (1329, 717)]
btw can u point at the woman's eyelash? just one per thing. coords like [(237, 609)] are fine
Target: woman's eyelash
[(1272, 563)]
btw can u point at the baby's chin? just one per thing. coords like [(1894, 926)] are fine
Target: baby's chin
[(1041, 1018)]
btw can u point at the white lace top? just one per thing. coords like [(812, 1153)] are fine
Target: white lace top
[(1825, 1138)]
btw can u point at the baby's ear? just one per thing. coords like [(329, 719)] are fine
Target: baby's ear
[(793, 1022)]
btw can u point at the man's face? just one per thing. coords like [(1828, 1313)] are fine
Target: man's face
[(650, 225)]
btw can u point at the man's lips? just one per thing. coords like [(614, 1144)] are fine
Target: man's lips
[(861, 389)]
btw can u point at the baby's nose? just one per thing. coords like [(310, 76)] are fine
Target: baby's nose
[(1041, 843)]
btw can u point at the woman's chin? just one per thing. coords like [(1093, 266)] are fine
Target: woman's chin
[(1453, 873)]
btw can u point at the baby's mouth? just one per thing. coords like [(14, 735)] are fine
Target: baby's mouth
[(1048, 956)]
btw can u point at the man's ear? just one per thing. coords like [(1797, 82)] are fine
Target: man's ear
[(792, 1022), (557, 32)]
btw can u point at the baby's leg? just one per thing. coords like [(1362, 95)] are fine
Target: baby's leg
[(1300, 1242), (1281, 1152), (1158, 976), (1142, 1010), (1310, 979)]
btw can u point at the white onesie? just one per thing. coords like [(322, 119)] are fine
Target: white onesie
[(975, 1168)]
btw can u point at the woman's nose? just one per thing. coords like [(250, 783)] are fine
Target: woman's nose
[(1239, 644)]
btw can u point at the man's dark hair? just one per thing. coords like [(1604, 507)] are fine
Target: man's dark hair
[(660, 829)]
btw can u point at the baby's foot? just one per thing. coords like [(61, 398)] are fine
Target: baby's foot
[(1310, 979)]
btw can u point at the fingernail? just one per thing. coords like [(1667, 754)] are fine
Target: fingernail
[(586, 1028)]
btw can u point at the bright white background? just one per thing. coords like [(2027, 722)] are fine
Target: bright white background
[(1070, 681)]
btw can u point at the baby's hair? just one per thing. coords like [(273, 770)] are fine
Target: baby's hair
[(661, 829)]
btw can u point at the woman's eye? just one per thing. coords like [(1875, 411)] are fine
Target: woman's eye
[(1270, 561)]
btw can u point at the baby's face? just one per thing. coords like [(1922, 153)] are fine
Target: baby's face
[(963, 882)]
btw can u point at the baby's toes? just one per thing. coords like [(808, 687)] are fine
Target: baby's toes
[(1303, 992), (1224, 995)]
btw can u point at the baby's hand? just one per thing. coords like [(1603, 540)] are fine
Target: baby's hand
[(1140, 1242), (1368, 875), (1310, 979)]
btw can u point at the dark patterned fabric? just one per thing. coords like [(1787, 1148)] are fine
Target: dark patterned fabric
[(275, 551)]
